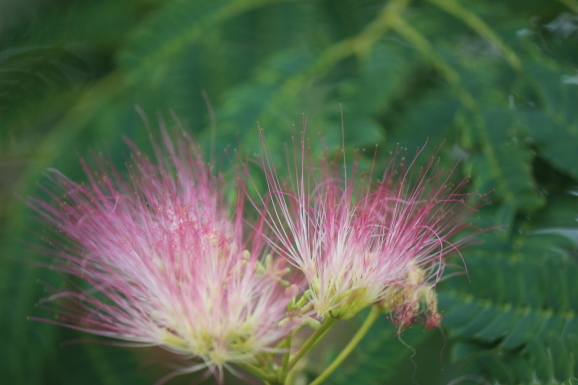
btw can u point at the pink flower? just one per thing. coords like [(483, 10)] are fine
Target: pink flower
[(361, 243), (166, 263)]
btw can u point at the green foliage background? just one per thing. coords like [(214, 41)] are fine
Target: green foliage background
[(494, 79)]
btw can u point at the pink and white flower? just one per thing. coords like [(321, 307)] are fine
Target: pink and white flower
[(167, 261), (361, 243)]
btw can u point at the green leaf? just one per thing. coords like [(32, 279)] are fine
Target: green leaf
[(178, 25), (553, 140), (508, 162)]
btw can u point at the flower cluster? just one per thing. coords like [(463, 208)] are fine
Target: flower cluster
[(166, 263), (171, 263), (361, 243)]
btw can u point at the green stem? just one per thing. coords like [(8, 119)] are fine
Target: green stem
[(308, 345), (423, 46), (479, 26), (262, 374), (371, 317), (286, 357), (572, 4)]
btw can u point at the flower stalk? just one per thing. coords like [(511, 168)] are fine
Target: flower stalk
[(355, 340), (308, 345)]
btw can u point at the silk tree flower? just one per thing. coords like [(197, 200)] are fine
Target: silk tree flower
[(361, 243), (168, 263)]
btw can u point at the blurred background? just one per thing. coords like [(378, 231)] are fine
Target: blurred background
[(496, 80)]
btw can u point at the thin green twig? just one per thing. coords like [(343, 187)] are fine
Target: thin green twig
[(371, 317), (423, 46), (359, 44), (308, 345), (478, 25), (262, 374), (572, 4), (286, 357)]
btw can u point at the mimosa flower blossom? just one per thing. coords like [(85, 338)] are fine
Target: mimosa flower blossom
[(166, 263), (361, 243)]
